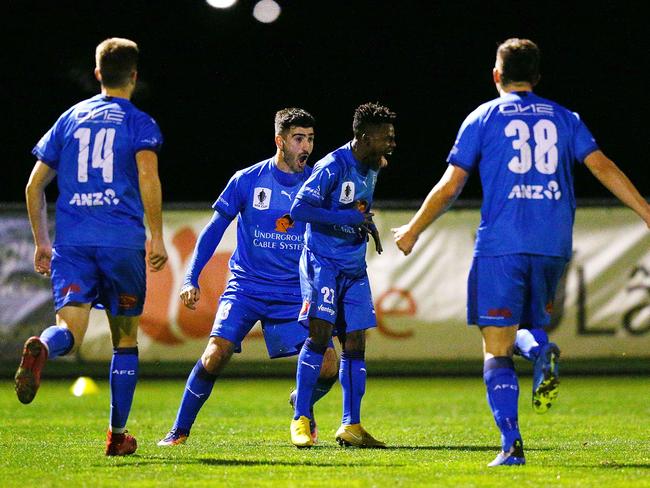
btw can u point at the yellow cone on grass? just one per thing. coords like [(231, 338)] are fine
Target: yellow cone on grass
[(84, 386)]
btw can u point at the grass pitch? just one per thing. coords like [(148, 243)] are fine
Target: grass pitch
[(439, 432)]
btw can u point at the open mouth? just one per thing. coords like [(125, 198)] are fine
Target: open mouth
[(302, 159)]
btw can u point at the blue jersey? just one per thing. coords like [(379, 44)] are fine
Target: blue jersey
[(338, 182), (92, 147), (269, 243), (524, 147)]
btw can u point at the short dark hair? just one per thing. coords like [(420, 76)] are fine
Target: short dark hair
[(296, 117), (518, 60), (371, 114), (116, 59)]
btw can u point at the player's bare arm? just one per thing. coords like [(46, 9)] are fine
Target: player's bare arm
[(41, 176), (151, 193), (439, 199), (618, 183)]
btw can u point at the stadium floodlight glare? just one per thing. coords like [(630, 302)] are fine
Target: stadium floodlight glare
[(221, 3), (266, 11)]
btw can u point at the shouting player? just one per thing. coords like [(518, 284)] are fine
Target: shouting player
[(335, 202), (104, 153), (265, 285), (525, 148)]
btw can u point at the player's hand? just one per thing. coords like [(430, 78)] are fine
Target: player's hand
[(404, 238), (190, 296), (43, 259), (157, 255), (368, 228)]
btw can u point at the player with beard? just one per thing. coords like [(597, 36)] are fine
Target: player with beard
[(265, 285)]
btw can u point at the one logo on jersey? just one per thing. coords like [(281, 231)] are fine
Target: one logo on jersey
[(305, 308), (284, 223), (536, 192), (262, 198), (519, 109), (103, 114), (347, 192), (96, 199), (287, 194), (127, 302)]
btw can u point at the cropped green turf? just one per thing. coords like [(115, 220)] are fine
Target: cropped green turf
[(439, 432)]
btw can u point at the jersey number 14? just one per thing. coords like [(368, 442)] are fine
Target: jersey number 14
[(102, 153)]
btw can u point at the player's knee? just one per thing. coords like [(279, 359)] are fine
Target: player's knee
[(320, 331), (217, 354), (355, 341)]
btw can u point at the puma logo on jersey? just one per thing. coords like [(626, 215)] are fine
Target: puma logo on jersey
[(287, 194)]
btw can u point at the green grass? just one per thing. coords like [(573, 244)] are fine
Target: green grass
[(440, 433)]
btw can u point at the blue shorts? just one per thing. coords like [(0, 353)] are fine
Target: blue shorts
[(513, 289), (113, 278), (334, 297), (238, 313)]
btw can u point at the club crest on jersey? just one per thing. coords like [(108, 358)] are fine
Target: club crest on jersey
[(262, 198), (347, 192)]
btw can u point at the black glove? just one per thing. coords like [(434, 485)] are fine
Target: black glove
[(369, 228)]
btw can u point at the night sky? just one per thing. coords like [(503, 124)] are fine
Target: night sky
[(213, 79)]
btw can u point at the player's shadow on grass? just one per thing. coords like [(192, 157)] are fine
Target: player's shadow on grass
[(138, 460), (264, 462), (615, 465), (458, 448)]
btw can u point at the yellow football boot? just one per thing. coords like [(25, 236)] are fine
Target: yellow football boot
[(301, 433), (354, 435)]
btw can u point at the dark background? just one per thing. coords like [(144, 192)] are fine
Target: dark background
[(213, 79)]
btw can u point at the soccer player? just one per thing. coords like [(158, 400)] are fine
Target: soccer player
[(104, 152), (265, 285), (335, 202), (524, 148)]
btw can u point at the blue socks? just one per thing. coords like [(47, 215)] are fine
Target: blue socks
[(123, 377), (529, 341), (353, 383), (197, 390), (310, 361), (59, 341), (322, 388), (503, 396)]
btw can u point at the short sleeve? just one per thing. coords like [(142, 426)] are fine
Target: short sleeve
[(49, 148), (320, 184), (147, 135), (583, 141), (232, 198), (466, 152)]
